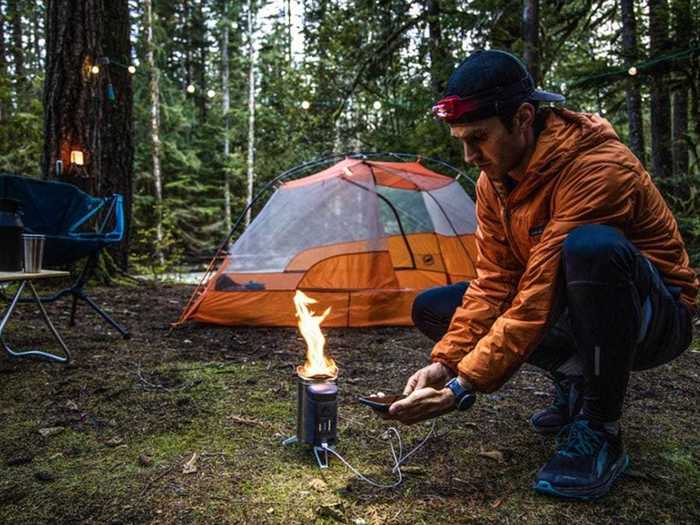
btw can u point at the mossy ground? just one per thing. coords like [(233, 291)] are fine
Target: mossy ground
[(133, 413)]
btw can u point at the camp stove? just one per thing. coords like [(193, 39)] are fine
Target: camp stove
[(317, 393), (317, 416)]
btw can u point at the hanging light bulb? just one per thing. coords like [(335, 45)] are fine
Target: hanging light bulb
[(211, 93), (377, 105), (131, 69), (632, 71), (95, 69), (190, 88), (305, 104)]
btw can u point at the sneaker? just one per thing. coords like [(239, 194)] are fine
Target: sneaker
[(568, 400), (586, 464)]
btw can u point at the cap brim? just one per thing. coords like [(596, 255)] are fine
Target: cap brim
[(546, 96)]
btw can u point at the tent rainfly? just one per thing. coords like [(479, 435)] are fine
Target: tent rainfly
[(362, 236)]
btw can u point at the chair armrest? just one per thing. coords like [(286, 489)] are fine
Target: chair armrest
[(117, 205)]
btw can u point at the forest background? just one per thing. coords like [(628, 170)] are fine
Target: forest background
[(189, 107)]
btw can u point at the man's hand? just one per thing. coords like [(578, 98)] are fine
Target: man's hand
[(434, 375), (422, 404)]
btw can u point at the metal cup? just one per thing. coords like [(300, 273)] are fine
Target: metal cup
[(33, 252)]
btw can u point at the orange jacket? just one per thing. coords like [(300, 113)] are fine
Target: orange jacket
[(580, 173)]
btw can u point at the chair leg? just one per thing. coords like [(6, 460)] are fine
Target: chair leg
[(123, 331)]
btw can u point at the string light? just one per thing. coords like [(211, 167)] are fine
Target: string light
[(211, 93), (377, 105), (619, 73), (305, 104), (95, 69), (132, 69), (190, 88)]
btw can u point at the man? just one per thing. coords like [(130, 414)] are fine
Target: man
[(581, 271)]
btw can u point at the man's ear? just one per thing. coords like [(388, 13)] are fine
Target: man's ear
[(525, 116)]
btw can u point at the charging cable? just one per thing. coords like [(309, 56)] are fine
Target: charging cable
[(398, 460)]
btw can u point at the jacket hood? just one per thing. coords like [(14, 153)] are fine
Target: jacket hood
[(567, 135)]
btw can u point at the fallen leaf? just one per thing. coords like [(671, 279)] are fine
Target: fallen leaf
[(270, 510), (114, 442), (50, 431), (359, 521), (71, 405), (496, 455), (145, 460), (246, 421), (191, 466), (333, 511), (497, 503), (318, 484)]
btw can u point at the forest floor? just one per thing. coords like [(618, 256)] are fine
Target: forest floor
[(111, 437)]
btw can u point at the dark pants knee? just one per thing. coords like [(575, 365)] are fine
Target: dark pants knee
[(433, 309)]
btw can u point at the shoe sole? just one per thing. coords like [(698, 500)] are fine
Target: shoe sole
[(584, 493)]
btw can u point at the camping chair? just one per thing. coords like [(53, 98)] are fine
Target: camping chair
[(63, 213)]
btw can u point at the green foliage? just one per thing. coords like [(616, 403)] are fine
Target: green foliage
[(349, 57)]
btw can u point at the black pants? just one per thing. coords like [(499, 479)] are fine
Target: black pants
[(613, 310)]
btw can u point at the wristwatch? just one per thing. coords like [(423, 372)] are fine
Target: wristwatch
[(464, 398)]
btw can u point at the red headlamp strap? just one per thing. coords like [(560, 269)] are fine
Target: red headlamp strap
[(454, 107)]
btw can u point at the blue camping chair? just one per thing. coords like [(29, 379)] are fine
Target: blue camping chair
[(75, 225)]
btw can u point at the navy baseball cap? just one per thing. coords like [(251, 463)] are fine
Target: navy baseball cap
[(484, 83)]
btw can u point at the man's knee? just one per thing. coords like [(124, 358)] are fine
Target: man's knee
[(593, 241), (421, 304), (597, 250)]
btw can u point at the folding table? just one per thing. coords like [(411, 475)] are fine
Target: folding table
[(25, 279)]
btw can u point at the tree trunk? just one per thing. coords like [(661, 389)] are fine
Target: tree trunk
[(188, 53), (289, 31), (39, 24), (251, 111), (199, 67), (531, 38), (682, 21), (154, 88), (630, 54), (87, 111), (661, 158), (226, 107), (3, 65), (439, 63), (14, 17)]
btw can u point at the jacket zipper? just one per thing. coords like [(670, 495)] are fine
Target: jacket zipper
[(509, 233)]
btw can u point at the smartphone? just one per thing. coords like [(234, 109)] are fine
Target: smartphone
[(380, 403)]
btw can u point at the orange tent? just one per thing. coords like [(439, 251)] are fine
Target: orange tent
[(361, 236)]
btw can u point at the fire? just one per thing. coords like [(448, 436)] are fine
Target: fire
[(317, 364)]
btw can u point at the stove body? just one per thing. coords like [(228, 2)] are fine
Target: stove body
[(317, 416)]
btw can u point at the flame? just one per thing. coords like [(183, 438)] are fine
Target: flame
[(317, 364)]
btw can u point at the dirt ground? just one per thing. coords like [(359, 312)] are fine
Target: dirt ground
[(187, 428)]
